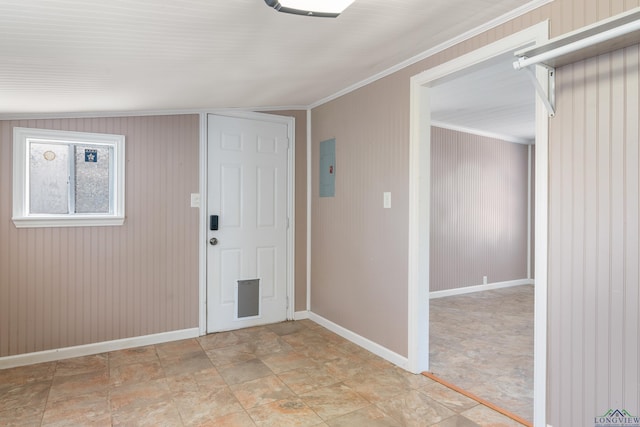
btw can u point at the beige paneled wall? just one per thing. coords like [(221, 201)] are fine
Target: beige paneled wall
[(359, 265), (63, 287), (358, 248), (594, 240), (300, 117), (478, 210)]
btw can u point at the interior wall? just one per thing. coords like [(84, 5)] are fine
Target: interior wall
[(479, 208), (300, 279), (594, 207), (62, 287), (359, 271), (361, 266)]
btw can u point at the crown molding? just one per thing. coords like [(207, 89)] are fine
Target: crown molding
[(526, 8)]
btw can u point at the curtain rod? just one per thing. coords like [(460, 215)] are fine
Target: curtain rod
[(589, 41)]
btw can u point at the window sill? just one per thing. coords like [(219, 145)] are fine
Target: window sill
[(76, 221)]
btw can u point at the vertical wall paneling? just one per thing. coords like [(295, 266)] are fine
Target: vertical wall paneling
[(594, 240), (479, 210), (631, 297), (62, 287), (356, 117), (359, 250)]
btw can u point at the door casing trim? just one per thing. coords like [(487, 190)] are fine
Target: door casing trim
[(419, 208), (203, 189)]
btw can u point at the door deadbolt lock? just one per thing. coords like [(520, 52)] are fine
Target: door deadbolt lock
[(213, 241)]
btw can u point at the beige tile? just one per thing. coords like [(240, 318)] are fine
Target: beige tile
[(415, 409), (139, 395), (369, 416), (180, 348), (284, 413), (251, 335), (244, 371), (345, 367), (26, 374), (149, 403), (321, 380), (449, 398), (236, 419), (32, 394), (483, 342), (231, 354), (378, 386), (205, 380), (269, 345), (75, 385), (261, 391), (82, 365), (191, 362), (304, 339), (133, 355), (197, 407), (286, 361), (310, 324), (512, 393), (91, 409), (286, 328), (303, 380), (162, 413), (135, 373), (320, 353), (484, 416), (218, 340), (456, 421), (415, 381), (333, 401), (23, 416)]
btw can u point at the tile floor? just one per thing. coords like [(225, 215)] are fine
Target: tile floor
[(483, 342), (286, 374)]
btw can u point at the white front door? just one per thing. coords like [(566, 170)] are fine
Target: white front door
[(248, 192)]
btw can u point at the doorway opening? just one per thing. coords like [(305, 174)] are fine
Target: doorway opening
[(422, 91), (481, 287)]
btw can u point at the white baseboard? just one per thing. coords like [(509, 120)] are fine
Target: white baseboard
[(363, 342), (301, 315), (478, 288), (95, 348)]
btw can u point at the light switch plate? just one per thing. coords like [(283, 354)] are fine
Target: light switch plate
[(387, 199), (195, 200)]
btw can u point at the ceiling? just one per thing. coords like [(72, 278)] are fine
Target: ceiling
[(492, 99), (76, 56)]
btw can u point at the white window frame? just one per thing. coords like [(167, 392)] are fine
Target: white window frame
[(22, 218)]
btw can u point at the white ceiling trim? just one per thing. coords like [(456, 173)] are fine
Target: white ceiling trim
[(141, 113), (506, 138), (534, 4)]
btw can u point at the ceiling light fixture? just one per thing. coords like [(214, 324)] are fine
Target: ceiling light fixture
[(319, 8)]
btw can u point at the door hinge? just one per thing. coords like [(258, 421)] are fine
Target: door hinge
[(287, 303), (288, 223)]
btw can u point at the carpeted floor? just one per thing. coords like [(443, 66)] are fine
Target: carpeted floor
[(483, 342)]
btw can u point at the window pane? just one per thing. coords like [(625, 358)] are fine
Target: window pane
[(49, 178), (92, 179)]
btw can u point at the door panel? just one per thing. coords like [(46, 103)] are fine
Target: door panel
[(247, 188)]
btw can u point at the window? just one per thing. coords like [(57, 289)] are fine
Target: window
[(67, 179)]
